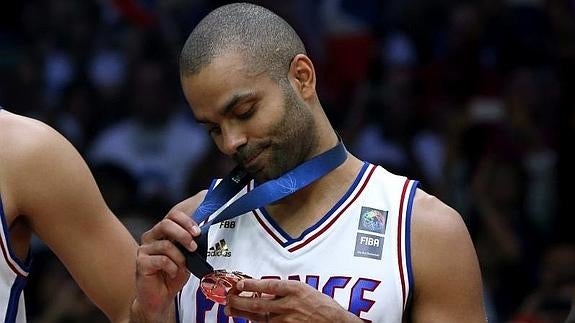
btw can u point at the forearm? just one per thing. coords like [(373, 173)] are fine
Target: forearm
[(336, 315)]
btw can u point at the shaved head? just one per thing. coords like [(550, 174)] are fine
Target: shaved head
[(267, 42)]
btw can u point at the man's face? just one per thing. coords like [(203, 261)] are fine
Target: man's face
[(264, 126)]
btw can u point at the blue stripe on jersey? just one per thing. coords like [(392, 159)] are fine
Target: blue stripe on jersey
[(289, 239), (24, 265), (177, 306), (14, 301), (408, 238)]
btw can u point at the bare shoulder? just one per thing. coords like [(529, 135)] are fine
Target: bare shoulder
[(447, 278), (21, 136), (37, 164), (433, 217), (437, 231), (27, 144)]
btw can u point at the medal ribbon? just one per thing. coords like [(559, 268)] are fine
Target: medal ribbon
[(262, 195)]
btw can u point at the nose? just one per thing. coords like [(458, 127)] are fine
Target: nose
[(232, 138)]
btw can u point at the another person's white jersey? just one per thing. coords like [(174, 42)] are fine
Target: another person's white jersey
[(358, 253), (13, 277)]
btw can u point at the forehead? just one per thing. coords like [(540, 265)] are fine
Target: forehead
[(225, 76)]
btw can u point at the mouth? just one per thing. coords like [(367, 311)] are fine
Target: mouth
[(256, 161), (251, 162)]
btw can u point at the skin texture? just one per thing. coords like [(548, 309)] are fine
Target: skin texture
[(255, 131), (47, 189)]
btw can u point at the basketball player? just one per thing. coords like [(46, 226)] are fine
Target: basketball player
[(359, 243), (46, 189)]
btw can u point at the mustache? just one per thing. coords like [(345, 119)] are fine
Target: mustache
[(247, 152)]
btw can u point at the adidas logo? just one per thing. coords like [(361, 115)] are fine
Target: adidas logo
[(220, 249)]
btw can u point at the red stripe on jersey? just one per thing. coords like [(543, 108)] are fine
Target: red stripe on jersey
[(266, 227), (399, 238), (9, 260), (317, 234)]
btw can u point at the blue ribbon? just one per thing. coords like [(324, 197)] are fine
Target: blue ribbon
[(262, 195)]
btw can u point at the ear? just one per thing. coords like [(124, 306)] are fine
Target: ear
[(302, 76)]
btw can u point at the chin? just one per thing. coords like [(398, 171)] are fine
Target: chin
[(261, 176)]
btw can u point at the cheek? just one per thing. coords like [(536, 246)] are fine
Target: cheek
[(267, 122)]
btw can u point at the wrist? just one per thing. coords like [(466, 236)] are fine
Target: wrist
[(138, 314), (349, 318)]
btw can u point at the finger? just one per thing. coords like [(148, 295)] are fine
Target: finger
[(184, 220), (149, 265), (164, 248), (267, 286), (168, 229), (253, 317), (254, 305)]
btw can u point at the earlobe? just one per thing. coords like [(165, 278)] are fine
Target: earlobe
[(303, 73)]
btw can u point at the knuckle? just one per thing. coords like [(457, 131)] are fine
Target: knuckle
[(164, 246), (164, 261), (146, 236), (173, 213), (255, 307)]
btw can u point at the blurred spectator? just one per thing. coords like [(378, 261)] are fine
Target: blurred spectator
[(77, 117), (157, 144), (55, 297), (554, 297), (120, 190), (349, 44), (379, 122)]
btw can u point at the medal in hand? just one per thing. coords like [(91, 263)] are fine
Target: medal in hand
[(219, 283)]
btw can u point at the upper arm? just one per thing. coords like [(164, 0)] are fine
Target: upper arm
[(447, 278), (58, 196)]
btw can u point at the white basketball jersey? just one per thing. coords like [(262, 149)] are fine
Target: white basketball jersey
[(13, 277), (358, 253)]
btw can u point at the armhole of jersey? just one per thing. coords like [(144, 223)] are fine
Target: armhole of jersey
[(177, 306), (404, 241), (414, 186), (18, 266)]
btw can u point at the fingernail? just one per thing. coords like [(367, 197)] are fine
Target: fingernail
[(196, 230)]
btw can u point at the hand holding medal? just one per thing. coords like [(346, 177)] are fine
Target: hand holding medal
[(218, 284)]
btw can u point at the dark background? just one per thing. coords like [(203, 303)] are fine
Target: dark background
[(472, 98)]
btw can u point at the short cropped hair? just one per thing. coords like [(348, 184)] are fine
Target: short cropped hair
[(267, 42)]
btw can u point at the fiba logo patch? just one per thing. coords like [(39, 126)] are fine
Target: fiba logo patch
[(372, 220), (368, 246)]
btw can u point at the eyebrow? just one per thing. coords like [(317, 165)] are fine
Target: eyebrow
[(231, 103)]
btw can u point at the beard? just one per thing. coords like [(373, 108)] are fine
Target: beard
[(290, 142)]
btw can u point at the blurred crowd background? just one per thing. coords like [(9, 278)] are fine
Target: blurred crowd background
[(473, 98)]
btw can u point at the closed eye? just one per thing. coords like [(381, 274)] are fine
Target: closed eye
[(244, 112), (214, 130)]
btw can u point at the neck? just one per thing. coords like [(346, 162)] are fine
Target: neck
[(297, 212)]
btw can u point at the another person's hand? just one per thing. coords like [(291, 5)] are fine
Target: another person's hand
[(284, 301)]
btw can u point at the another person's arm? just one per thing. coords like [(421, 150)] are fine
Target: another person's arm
[(447, 278), (54, 190)]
